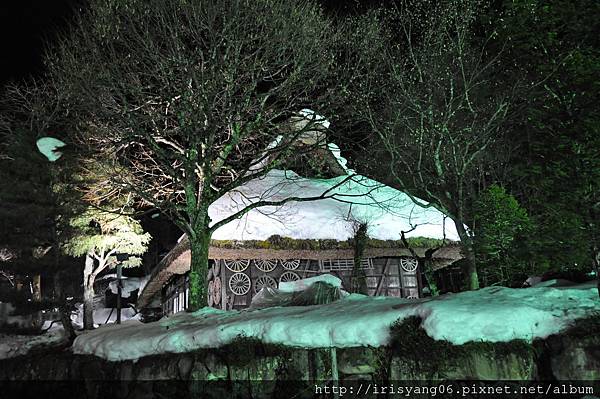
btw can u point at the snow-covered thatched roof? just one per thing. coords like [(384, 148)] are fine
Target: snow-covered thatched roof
[(350, 199)]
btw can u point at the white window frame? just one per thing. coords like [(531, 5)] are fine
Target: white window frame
[(334, 265)]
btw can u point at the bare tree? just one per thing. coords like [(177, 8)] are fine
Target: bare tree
[(184, 101), (436, 111)]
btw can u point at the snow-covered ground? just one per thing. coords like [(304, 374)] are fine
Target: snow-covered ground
[(491, 314), (128, 285), (12, 345), (103, 316)]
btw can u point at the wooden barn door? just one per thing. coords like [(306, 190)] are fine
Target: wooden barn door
[(397, 277), (384, 280)]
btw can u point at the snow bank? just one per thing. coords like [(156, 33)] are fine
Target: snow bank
[(502, 314), (103, 315), (491, 314), (557, 282), (301, 285), (12, 345), (317, 290), (129, 284)]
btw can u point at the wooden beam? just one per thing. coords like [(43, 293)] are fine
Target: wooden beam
[(383, 277), (223, 284)]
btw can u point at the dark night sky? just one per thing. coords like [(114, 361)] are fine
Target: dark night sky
[(26, 24)]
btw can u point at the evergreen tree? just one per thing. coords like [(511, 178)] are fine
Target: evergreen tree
[(30, 203), (100, 236), (48, 210), (555, 172), (29, 207), (502, 228), (33, 201)]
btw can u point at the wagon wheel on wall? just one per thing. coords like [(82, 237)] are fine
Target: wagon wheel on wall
[(264, 281), (237, 265), (265, 265), (210, 293), (288, 276), (409, 264), (239, 284), (290, 264), (216, 290)]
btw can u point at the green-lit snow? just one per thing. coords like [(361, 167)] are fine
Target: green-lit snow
[(349, 198), (491, 314), (49, 147), (386, 210), (300, 285)]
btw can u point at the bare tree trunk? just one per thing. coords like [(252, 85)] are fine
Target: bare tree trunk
[(36, 296), (64, 308), (359, 278), (37, 288), (595, 239), (199, 270), (466, 242), (88, 293), (65, 318), (119, 292), (57, 286), (335, 377), (596, 255)]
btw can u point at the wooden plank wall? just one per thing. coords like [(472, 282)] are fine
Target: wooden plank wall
[(385, 276)]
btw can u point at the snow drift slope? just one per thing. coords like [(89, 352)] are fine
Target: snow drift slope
[(491, 314)]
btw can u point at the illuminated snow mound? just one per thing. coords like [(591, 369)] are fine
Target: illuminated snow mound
[(491, 314), (128, 285), (301, 285), (103, 315)]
